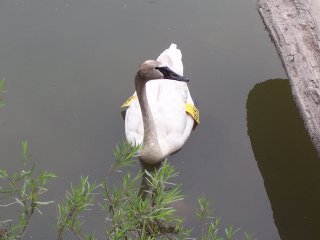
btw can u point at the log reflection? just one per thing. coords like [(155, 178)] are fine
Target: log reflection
[(286, 158)]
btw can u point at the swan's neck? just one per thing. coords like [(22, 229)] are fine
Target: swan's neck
[(150, 152)]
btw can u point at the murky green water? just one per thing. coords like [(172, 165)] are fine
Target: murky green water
[(286, 158), (69, 64)]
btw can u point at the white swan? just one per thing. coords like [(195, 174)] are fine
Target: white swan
[(161, 114)]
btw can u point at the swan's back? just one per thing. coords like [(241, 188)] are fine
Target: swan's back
[(167, 99)]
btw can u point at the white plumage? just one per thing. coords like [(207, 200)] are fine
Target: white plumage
[(170, 123)]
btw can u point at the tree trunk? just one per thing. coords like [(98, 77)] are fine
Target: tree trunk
[(294, 26)]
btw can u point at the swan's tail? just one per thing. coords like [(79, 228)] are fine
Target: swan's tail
[(172, 58)]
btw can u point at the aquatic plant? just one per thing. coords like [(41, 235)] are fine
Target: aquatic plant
[(129, 214), (1, 92), (26, 188)]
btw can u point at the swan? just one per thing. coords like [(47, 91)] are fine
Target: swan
[(161, 114)]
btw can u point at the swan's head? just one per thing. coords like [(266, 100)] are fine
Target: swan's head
[(151, 69)]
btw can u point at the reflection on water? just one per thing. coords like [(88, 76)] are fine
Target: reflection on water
[(286, 158)]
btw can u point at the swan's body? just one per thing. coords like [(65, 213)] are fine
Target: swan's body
[(158, 120)]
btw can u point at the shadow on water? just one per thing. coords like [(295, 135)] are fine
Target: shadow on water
[(286, 158)]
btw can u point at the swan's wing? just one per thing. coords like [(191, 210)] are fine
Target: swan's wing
[(133, 122), (174, 124)]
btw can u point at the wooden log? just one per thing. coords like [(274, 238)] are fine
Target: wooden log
[(294, 27)]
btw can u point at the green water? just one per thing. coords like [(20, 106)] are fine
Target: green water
[(286, 158), (69, 64)]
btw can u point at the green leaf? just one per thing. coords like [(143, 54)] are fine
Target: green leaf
[(1, 86), (124, 155), (44, 203), (24, 151), (3, 173), (248, 236), (1, 91), (44, 176), (7, 191), (230, 232)]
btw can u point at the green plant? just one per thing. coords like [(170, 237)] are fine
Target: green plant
[(78, 200), (132, 210), (1, 92), (132, 215), (26, 187), (124, 156), (210, 226)]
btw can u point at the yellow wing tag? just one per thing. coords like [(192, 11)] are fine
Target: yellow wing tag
[(127, 103), (193, 111)]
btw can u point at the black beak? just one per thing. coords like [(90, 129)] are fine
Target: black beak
[(169, 74)]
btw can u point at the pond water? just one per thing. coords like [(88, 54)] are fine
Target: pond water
[(69, 64)]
